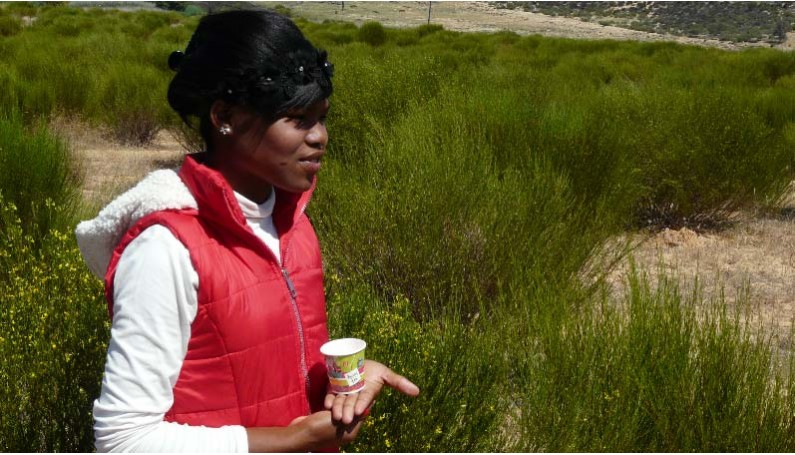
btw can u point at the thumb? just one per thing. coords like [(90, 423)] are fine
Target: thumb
[(401, 384)]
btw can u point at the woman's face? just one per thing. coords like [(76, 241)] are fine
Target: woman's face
[(285, 154)]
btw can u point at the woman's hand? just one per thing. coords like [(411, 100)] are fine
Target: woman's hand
[(322, 433), (305, 434), (346, 408)]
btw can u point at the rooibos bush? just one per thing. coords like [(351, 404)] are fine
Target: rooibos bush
[(372, 33), (36, 168), (9, 26), (132, 96), (661, 371)]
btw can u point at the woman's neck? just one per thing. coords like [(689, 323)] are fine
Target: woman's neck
[(251, 189)]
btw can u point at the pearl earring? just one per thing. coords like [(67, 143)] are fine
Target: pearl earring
[(225, 129)]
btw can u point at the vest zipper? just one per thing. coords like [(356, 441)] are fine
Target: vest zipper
[(297, 314)]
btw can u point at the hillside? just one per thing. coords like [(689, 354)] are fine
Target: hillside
[(724, 25), (488, 17), (726, 21)]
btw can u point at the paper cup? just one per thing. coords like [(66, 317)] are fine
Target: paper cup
[(345, 364)]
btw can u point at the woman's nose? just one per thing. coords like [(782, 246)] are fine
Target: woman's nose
[(317, 136)]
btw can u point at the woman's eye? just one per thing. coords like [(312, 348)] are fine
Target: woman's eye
[(306, 121), (298, 120)]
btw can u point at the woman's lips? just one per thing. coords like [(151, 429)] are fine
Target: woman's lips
[(311, 165)]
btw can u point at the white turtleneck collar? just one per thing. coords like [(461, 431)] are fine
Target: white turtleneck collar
[(252, 210), (260, 218)]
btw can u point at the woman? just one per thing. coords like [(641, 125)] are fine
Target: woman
[(213, 275)]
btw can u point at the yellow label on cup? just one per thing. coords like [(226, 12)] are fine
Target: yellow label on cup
[(345, 364)]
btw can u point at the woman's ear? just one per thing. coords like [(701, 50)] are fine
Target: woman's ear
[(220, 115)]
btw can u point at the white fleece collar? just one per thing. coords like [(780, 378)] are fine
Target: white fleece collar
[(97, 238)]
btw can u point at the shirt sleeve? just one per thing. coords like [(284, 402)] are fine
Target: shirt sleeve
[(155, 302)]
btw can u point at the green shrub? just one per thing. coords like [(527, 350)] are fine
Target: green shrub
[(9, 26), (445, 229), (699, 166), (357, 111), (330, 33), (133, 97), (38, 98), (66, 26), (175, 36), (406, 39), (661, 372), (281, 9), (21, 8), (54, 335), (372, 33), (37, 175), (9, 90), (337, 39), (427, 29)]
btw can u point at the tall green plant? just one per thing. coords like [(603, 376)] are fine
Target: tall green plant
[(659, 372), (37, 175)]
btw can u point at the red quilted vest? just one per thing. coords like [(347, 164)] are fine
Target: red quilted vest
[(254, 354)]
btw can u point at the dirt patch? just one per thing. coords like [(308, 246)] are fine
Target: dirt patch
[(789, 42), (483, 17), (756, 256), (109, 168)]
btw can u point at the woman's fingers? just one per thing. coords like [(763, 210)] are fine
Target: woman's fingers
[(329, 401), (325, 432), (377, 374), (366, 398), (345, 408), (348, 408), (337, 407)]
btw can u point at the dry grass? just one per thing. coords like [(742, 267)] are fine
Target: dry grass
[(109, 167), (755, 256)]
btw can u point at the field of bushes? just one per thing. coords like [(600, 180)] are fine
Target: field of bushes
[(466, 209)]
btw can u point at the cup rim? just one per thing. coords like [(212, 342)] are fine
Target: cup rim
[(342, 347)]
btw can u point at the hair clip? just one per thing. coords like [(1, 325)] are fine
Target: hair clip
[(175, 60)]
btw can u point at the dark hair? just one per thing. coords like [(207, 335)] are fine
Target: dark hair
[(255, 58)]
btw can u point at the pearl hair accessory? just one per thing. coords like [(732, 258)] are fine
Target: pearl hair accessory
[(267, 86)]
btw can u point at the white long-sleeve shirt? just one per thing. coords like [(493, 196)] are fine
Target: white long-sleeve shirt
[(155, 302)]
